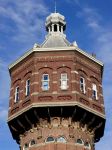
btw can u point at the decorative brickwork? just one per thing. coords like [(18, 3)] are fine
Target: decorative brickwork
[(54, 116)]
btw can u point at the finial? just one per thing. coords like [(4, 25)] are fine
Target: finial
[(55, 6), (75, 44)]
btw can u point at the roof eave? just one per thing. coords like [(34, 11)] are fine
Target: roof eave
[(72, 48)]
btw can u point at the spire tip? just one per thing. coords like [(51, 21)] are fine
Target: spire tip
[(55, 6)]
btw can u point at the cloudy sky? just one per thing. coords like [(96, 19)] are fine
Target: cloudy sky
[(89, 22)]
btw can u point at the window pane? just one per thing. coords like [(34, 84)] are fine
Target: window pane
[(64, 79), (17, 89), (17, 94), (64, 76), (82, 85), (61, 139), (50, 139), (28, 87), (33, 142), (28, 82), (87, 144), (45, 77), (94, 91), (45, 82), (64, 85), (79, 141), (26, 146), (28, 91), (94, 86), (81, 80), (45, 85)]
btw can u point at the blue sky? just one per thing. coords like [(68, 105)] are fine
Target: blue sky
[(89, 22)]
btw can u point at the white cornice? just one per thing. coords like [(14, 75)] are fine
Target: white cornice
[(70, 48), (20, 59)]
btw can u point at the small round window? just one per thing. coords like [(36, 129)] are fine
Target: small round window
[(50, 139), (26, 146), (61, 139)]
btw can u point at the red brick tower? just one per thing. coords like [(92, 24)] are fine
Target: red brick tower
[(56, 100)]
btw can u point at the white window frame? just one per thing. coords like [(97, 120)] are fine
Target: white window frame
[(17, 91), (28, 87), (82, 85), (64, 81), (45, 82), (94, 91)]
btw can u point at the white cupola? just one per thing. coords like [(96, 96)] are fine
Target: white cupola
[(55, 23)]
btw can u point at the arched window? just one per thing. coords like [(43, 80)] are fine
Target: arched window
[(45, 82), (50, 139), (61, 139), (94, 91), (17, 91), (32, 143), (26, 146), (64, 80), (82, 85), (79, 141), (28, 87)]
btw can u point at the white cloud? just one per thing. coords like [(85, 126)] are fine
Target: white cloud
[(25, 23), (91, 18), (88, 14), (21, 25), (101, 33), (104, 53), (104, 43)]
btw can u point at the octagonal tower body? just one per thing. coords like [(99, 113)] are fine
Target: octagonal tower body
[(56, 99)]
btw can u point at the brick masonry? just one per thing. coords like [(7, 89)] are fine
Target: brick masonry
[(75, 65)]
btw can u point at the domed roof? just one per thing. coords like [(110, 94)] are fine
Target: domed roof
[(55, 18), (55, 26), (55, 40)]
